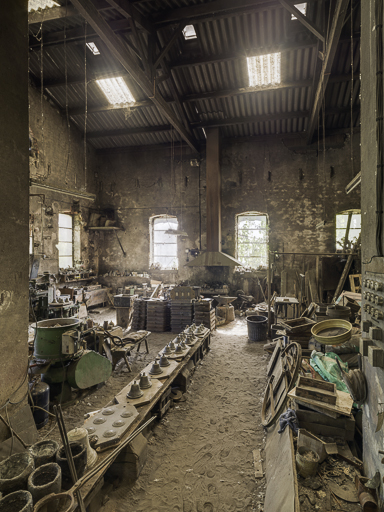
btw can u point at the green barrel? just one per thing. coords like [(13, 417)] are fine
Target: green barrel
[(48, 335)]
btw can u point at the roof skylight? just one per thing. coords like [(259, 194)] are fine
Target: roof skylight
[(189, 32), (264, 69), (116, 91), (94, 49), (302, 8), (34, 5)]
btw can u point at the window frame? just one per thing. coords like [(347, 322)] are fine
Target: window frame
[(347, 229), (152, 223), (71, 229), (264, 263)]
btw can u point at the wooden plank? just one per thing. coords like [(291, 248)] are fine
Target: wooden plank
[(257, 463), (319, 384), (327, 431), (346, 423), (280, 472), (313, 394), (118, 49), (304, 20), (343, 404), (316, 390)]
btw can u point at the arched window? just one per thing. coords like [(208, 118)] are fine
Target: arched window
[(164, 242), (348, 228), (252, 239)]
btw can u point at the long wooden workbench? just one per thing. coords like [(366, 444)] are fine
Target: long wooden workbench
[(90, 489)]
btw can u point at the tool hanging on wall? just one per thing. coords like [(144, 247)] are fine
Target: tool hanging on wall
[(124, 253)]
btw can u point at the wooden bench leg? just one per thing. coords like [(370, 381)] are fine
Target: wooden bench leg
[(127, 362)]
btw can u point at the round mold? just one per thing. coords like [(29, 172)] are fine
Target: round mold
[(118, 423), (99, 421), (126, 414), (107, 412), (91, 430), (109, 433)]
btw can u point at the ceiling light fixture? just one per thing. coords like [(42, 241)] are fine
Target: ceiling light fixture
[(116, 91), (264, 69)]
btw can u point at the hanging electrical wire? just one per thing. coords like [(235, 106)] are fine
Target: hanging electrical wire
[(352, 87), (42, 98), (379, 127)]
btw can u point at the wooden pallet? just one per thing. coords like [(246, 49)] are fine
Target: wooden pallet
[(316, 390), (343, 404)]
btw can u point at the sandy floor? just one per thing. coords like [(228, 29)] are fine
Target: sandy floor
[(200, 455)]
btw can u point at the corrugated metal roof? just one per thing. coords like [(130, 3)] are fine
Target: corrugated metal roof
[(233, 35)]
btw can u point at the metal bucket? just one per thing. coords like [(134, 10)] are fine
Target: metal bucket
[(48, 337), (305, 466), (257, 327)]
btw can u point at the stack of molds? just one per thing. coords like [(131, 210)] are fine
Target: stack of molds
[(204, 313), (158, 315), (139, 318)]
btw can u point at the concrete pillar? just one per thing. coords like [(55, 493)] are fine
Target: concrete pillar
[(14, 201)]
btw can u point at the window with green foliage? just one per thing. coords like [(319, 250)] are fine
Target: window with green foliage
[(348, 228), (65, 240), (252, 239)]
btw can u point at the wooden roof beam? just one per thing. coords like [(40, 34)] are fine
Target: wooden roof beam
[(304, 20), (118, 49), (330, 52), (129, 131)]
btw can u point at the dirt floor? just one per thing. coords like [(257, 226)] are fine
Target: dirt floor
[(200, 454)]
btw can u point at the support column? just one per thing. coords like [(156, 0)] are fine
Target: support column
[(213, 204), (14, 204)]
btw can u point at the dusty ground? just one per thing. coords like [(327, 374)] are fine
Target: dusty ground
[(200, 455)]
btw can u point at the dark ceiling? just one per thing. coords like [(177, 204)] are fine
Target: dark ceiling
[(182, 87)]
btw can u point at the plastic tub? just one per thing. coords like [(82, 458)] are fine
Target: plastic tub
[(257, 327)]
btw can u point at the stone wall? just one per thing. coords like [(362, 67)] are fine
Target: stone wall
[(295, 188), (57, 161)]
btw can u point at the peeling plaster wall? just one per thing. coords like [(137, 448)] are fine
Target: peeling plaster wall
[(139, 185), (142, 183), (57, 160), (13, 208)]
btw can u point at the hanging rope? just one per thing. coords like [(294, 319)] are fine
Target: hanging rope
[(352, 87), (86, 105), (66, 94)]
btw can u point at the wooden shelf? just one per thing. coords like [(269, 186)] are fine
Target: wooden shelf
[(105, 228)]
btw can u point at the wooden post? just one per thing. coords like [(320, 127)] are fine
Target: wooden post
[(213, 179)]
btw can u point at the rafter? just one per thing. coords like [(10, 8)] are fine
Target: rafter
[(224, 93), (331, 47), (260, 118), (303, 19), (169, 45), (117, 48), (129, 131)]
